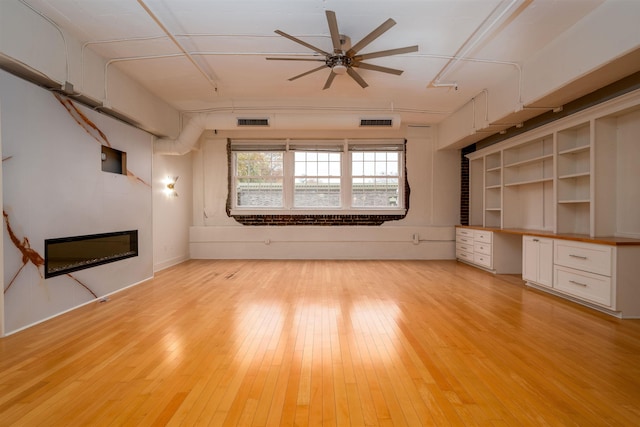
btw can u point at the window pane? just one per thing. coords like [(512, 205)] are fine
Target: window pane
[(392, 168), (325, 194), (301, 168), (334, 169), (369, 168), (259, 193), (259, 163)]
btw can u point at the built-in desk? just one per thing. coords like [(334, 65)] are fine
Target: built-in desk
[(600, 272)]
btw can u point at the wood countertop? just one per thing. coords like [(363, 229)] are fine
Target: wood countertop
[(604, 240)]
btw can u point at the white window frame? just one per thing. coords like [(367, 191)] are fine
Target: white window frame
[(346, 147)]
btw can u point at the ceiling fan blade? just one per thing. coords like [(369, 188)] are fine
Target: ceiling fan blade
[(377, 68), (333, 29), (307, 72), (371, 37), (295, 59), (389, 52), (332, 76), (355, 76), (305, 44)]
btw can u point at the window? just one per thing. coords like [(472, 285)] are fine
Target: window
[(259, 179), (344, 176), (375, 179), (317, 179)]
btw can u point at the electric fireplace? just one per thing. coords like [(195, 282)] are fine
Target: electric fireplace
[(69, 254)]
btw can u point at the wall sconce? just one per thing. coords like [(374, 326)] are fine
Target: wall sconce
[(170, 186)]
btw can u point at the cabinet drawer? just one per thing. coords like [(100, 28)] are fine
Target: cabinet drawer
[(483, 260), (587, 286), (482, 236), (482, 248), (467, 256), (464, 247), (584, 256), (464, 240), (467, 232)]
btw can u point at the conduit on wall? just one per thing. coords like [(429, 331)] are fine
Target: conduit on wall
[(188, 138)]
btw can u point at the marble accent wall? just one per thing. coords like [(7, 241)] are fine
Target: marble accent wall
[(53, 186)]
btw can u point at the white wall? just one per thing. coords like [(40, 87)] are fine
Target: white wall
[(29, 39), (606, 34), (434, 210), (1, 241), (171, 215), (53, 186), (609, 32)]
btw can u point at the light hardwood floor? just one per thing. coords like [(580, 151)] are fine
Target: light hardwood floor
[(403, 343)]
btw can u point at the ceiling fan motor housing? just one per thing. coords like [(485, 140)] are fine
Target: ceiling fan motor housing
[(339, 63)]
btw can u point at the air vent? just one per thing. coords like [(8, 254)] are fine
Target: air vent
[(376, 122), (253, 122)]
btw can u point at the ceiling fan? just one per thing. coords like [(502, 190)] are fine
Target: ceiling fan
[(341, 62)]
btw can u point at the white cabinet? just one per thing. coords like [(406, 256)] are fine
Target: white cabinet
[(584, 256), (500, 253), (464, 244), (475, 247), (601, 276), (584, 285), (585, 271), (537, 260)]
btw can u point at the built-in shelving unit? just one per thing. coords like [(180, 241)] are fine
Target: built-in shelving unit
[(577, 175), (476, 191), (528, 182), (493, 190), (574, 179)]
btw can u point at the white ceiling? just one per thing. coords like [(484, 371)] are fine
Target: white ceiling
[(231, 39)]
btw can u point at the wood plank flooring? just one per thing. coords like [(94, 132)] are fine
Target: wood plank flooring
[(344, 343)]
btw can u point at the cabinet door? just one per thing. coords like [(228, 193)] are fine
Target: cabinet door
[(545, 262), (529, 259), (537, 260)]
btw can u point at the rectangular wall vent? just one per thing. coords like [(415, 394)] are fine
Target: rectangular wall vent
[(253, 122), (376, 122)]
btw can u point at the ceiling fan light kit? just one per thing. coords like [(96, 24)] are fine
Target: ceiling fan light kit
[(341, 62)]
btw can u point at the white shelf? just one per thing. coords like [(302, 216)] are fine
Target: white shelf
[(574, 201), (529, 161), (574, 175), (531, 181), (575, 150)]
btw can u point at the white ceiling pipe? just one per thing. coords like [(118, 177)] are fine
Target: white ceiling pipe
[(188, 138)]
